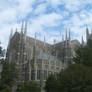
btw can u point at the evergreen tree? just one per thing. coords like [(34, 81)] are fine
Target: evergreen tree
[(9, 73), (84, 54), (2, 53), (51, 84), (76, 78), (8, 76)]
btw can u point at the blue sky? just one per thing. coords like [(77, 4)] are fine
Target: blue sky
[(49, 18)]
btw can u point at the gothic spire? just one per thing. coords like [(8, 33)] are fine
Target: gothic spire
[(66, 39), (44, 44), (60, 34), (10, 37), (66, 34), (11, 34), (62, 37), (82, 41), (22, 27), (25, 30), (69, 34), (35, 38), (54, 41), (44, 41), (87, 33)]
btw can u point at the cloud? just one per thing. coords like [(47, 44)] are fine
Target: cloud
[(40, 9), (54, 3), (40, 23), (47, 17)]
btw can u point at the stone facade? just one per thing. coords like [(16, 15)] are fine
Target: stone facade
[(35, 59)]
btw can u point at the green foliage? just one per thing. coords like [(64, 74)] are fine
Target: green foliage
[(2, 53), (84, 54), (8, 76), (8, 73), (6, 89), (28, 87), (51, 84), (76, 78)]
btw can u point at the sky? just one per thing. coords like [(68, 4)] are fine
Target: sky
[(49, 18)]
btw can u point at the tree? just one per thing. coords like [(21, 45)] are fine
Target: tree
[(6, 89), (76, 78), (8, 75), (2, 53), (28, 87), (84, 54), (51, 84)]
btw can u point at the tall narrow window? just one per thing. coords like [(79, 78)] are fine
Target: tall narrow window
[(45, 74), (33, 75), (38, 74)]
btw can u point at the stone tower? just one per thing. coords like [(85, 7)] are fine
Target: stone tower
[(67, 49), (22, 62)]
